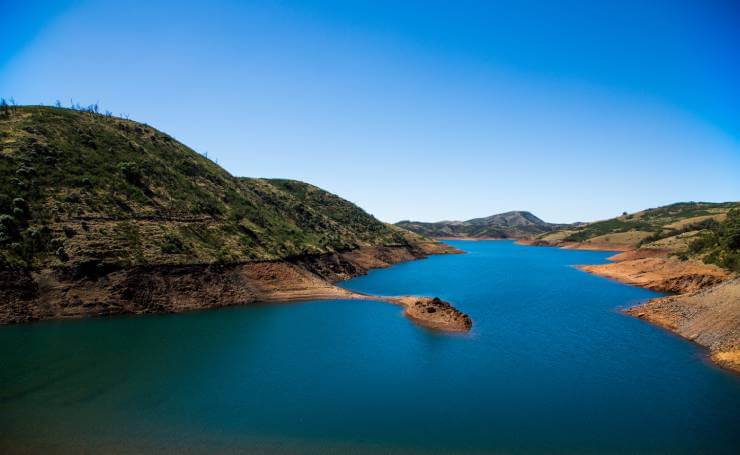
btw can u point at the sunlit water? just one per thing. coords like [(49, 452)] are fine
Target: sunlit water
[(551, 365)]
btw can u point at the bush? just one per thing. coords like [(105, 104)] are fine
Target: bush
[(62, 254), (729, 231), (131, 172), (73, 198), (702, 243), (8, 229), (173, 245), (21, 205)]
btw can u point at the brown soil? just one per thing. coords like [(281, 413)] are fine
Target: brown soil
[(662, 274), (97, 291), (595, 246), (639, 254), (574, 245), (434, 313), (706, 309), (710, 317)]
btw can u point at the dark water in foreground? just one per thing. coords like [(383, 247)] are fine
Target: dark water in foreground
[(551, 365)]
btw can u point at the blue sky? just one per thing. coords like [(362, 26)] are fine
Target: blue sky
[(431, 110)]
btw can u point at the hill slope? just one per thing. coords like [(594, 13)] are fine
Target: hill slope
[(699, 230), (514, 224), (90, 204), (76, 181)]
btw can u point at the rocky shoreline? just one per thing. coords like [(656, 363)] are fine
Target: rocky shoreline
[(705, 307), (27, 296), (709, 317)]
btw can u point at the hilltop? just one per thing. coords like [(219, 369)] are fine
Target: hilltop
[(514, 224), (100, 215)]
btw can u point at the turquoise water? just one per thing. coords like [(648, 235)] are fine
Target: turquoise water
[(551, 365)]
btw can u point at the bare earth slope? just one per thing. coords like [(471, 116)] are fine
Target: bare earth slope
[(710, 317), (657, 271), (706, 308)]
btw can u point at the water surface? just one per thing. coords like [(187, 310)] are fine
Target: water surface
[(551, 365)]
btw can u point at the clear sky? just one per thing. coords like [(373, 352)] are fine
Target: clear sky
[(429, 110)]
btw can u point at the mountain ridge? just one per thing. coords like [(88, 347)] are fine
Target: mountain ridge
[(514, 224)]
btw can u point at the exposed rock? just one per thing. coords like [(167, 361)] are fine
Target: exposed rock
[(69, 293), (662, 274), (710, 317), (707, 309), (434, 313)]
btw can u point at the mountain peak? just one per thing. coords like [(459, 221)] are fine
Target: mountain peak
[(511, 224)]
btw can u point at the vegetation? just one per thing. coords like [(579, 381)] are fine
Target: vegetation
[(701, 230), (720, 243), (658, 223), (516, 224), (707, 224), (78, 186), (612, 226)]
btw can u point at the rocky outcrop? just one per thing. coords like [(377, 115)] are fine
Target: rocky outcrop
[(434, 313), (710, 317), (706, 308), (654, 270)]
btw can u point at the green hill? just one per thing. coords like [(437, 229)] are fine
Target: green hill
[(703, 230), (515, 224), (79, 188)]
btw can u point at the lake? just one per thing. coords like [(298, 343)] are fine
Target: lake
[(550, 365)]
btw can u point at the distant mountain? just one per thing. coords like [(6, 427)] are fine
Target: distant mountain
[(514, 224)]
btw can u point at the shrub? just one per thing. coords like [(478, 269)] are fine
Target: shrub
[(62, 254), (73, 197), (173, 245), (131, 172), (22, 205), (8, 229)]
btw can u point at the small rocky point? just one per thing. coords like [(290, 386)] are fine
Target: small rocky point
[(438, 314)]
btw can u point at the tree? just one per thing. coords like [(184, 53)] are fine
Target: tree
[(4, 108)]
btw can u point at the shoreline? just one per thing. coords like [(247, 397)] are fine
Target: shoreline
[(703, 305), (52, 295)]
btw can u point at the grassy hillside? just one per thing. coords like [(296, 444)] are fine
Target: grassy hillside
[(704, 230), (79, 187), (515, 224)]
